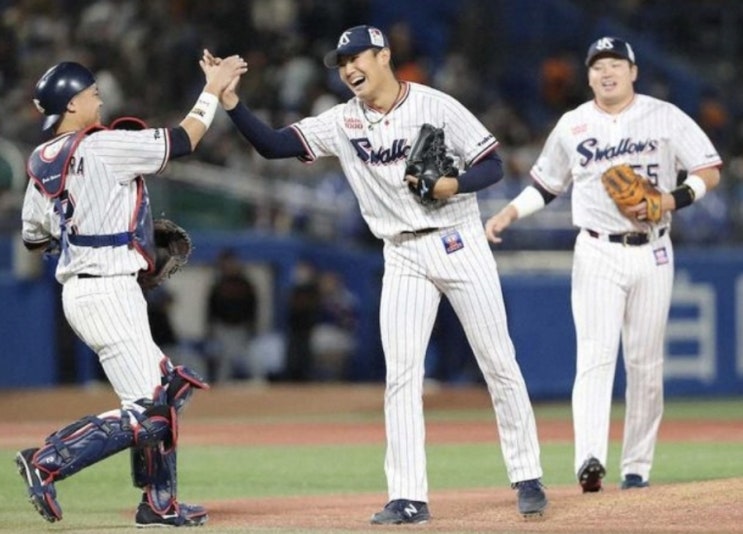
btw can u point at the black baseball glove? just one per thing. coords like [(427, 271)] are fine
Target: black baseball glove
[(427, 161), (172, 248)]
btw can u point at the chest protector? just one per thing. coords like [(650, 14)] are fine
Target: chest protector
[(48, 166)]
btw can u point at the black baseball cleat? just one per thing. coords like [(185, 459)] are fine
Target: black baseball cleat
[(178, 515), (532, 501), (402, 511), (632, 481), (590, 475), (42, 496)]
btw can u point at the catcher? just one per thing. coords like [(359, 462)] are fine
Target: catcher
[(87, 193)]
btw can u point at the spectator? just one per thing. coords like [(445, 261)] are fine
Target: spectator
[(232, 309), (303, 314), (332, 340)]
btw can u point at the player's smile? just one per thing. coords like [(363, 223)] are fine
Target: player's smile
[(611, 80), (356, 81)]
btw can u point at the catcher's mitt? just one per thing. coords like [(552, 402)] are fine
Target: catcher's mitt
[(627, 189), (172, 248), (427, 161)]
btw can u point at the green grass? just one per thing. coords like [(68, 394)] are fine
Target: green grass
[(675, 409), (100, 497)]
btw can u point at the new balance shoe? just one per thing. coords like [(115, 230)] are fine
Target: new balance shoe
[(590, 475), (178, 515), (402, 511), (42, 495), (532, 500), (632, 481)]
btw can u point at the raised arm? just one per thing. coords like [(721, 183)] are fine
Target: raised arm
[(218, 77), (268, 142)]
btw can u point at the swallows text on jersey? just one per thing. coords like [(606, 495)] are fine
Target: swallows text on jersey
[(591, 152), (382, 155)]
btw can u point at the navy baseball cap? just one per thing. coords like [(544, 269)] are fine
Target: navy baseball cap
[(355, 40), (610, 46), (57, 87)]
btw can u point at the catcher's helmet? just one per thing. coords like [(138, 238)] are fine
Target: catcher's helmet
[(56, 88)]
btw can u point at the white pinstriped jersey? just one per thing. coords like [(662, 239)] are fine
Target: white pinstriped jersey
[(101, 197), (655, 137), (372, 155)]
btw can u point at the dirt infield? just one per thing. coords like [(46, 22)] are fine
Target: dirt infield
[(282, 415)]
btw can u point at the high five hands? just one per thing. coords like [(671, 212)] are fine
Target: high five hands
[(228, 96)]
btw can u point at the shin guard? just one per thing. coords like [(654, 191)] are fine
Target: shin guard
[(154, 466), (94, 438)]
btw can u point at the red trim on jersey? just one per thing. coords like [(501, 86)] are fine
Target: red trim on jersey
[(541, 183), (402, 94), (717, 166), (487, 150), (403, 97), (309, 156), (166, 157)]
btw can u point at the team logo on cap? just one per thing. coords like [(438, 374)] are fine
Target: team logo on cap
[(344, 39), (605, 44), (608, 44)]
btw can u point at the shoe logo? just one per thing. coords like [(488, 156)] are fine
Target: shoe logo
[(410, 510)]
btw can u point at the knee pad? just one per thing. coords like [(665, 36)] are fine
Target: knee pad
[(94, 438), (179, 383)]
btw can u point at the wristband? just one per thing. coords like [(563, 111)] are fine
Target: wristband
[(697, 185), (205, 108), (683, 196), (528, 201), (691, 190)]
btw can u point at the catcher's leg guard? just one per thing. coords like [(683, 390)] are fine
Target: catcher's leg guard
[(42, 495), (179, 383), (154, 466), (154, 470), (83, 443), (94, 438)]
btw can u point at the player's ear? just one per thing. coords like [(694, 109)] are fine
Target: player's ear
[(72, 105), (634, 71), (385, 55)]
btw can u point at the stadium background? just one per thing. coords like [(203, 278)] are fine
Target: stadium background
[(517, 65)]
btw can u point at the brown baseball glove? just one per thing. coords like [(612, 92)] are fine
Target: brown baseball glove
[(627, 189)]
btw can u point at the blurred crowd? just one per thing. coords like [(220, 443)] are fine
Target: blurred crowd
[(317, 344), (145, 54)]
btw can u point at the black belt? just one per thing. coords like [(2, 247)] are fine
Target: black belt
[(422, 231), (632, 239), (86, 275)]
